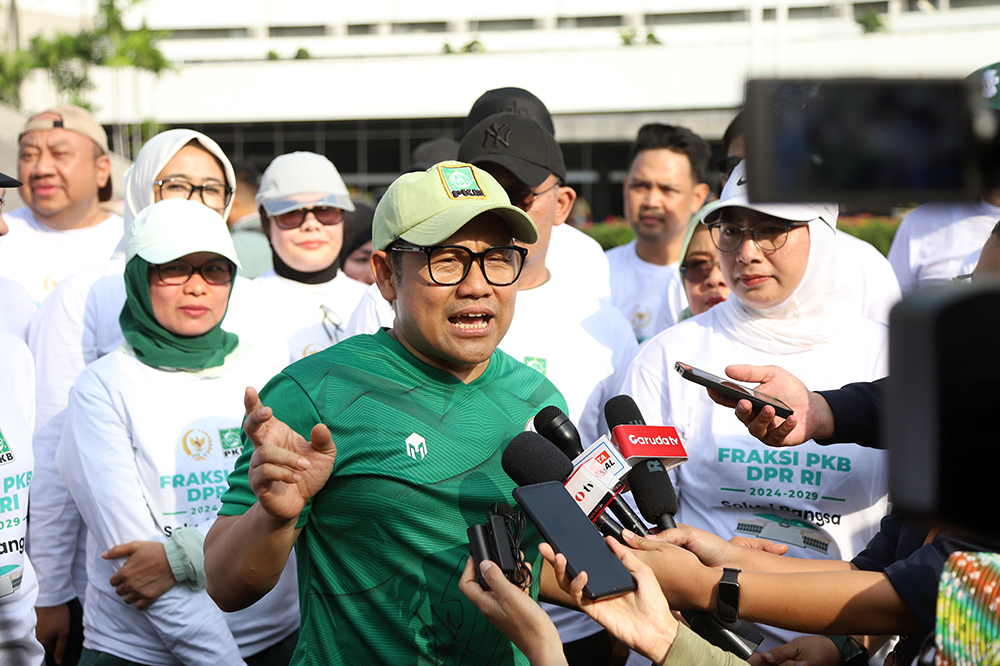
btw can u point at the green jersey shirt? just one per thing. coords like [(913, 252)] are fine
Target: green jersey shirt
[(384, 543)]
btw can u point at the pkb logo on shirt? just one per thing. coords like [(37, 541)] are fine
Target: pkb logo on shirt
[(231, 444), (415, 444), (6, 455), (535, 363)]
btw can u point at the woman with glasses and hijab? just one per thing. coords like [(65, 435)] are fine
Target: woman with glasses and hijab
[(78, 324), (152, 433), (302, 200), (779, 260), (701, 271)]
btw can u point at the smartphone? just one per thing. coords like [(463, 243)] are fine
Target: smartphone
[(568, 530), (729, 388)]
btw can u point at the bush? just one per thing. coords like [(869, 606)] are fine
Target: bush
[(877, 230), (609, 234)]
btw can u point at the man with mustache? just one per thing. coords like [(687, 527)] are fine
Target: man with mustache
[(664, 188)]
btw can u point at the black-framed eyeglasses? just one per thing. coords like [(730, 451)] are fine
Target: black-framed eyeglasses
[(768, 235), (213, 195), (726, 166), (325, 215), (696, 271), (523, 197), (216, 271), (449, 264)]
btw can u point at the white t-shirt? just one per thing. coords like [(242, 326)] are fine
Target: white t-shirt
[(650, 296), (18, 587), (307, 317), (576, 255), (16, 308), (824, 501), (866, 278), (38, 257), (934, 239), (74, 327), (168, 441)]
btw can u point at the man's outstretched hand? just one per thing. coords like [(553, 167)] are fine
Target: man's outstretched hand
[(812, 418), (286, 470)]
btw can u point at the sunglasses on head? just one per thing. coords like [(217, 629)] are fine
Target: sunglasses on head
[(327, 215)]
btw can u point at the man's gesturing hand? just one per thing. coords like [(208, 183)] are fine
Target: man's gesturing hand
[(286, 470)]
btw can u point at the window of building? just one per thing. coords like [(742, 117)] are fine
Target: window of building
[(298, 31), (414, 28), (698, 17), (497, 25), (590, 21), (361, 29), (209, 33)]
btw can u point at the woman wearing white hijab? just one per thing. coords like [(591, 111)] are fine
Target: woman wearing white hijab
[(78, 324), (165, 410), (779, 260)]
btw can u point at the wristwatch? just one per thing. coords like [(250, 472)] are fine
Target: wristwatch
[(852, 653), (728, 596)]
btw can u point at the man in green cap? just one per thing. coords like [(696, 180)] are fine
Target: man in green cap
[(420, 414)]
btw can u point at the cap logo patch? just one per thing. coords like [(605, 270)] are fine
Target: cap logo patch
[(461, 183), (500, 135), (990, 81)]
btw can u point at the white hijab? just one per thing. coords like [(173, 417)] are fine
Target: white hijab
[(810, 316), (154, 156)]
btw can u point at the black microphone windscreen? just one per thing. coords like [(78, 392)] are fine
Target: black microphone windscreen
[(622, 410), (546, 416), (530, 458), (652, 490)]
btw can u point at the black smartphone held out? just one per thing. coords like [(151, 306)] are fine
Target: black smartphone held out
[(568, 530), (733, 390)]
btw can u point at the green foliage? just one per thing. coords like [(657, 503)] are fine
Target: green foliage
[(302, 54), (67, 58), (273, 55), (652, 39), (14, 68), (629, 38), (610, 234), (877, 230), (870, 21)]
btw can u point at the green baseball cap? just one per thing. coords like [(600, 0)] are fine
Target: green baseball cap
[(426, 207)]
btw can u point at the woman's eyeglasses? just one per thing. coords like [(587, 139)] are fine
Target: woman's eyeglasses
[(325, 215)]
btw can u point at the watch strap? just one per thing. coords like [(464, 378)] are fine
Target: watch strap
[(728, 596), (852, 653)]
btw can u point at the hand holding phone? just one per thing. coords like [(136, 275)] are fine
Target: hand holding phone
[(732, 389), (567, 529)]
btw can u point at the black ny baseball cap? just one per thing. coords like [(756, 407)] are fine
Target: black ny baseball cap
[(518, 101), (516, 143)]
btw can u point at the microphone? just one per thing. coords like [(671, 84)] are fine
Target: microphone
[(556, 427), (622, 410), (654, 493), (530, 458)]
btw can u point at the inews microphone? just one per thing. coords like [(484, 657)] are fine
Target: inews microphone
[(555, 426), (654, 494), (530, 459)]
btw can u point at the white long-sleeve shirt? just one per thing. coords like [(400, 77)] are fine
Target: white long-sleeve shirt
[(145, 452), (76, 325), (18, 586)]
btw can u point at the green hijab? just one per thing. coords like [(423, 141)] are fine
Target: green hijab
[(156, 346)]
